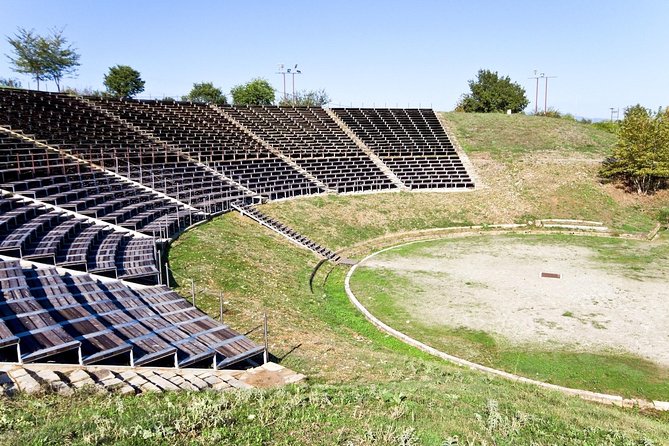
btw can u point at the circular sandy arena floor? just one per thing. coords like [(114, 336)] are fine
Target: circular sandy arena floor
[(602, 302)]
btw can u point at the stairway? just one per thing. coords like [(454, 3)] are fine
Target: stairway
[(280, 228)]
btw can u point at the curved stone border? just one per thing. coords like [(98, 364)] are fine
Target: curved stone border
[(585, 394)]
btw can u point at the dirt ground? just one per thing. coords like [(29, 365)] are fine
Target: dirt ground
[(497, 287)]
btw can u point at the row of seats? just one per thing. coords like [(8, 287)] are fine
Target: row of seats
[(208, 137), (82, 130), (32, 231), (48, 316), (55, 179)]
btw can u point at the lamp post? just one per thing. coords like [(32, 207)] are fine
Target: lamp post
[(293, 71)]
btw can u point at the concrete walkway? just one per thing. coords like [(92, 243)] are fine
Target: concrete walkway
[(66, 379)]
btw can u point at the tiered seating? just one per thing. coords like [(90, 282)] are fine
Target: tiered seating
[(207, 136), (35, 232), (314, 141), (39, 334), (83, 131), (74, 318), (412, 143), (52, 178)]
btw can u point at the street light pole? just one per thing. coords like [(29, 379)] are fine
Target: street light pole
[(293, 72)]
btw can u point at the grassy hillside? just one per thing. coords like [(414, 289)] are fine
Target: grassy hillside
[(503, 135), (366, 388)]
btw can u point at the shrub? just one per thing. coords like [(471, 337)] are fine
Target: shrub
[(641, 155), (607, 126), (493, 93)]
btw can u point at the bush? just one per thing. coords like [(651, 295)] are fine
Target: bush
[(553, 113), (255, 92), (641, 155), (663, 216), (205, 92), (492, 93), (123, 82), (607, 126)]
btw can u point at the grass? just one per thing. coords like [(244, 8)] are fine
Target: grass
[(388, 295), (501, 135), (403, 413)]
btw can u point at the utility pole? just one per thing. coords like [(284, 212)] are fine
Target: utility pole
[(536, 93), (293, 72), (616, 112), (282, 71), (546, 92)]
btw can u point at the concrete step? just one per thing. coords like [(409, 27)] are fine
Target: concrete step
[(68, 379)]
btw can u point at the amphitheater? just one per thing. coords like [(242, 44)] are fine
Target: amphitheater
[(95, 190)]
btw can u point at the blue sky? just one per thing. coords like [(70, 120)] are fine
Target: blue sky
[(384, 53)]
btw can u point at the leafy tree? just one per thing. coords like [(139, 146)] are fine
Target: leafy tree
[(27, 59), (123, 81), (492, 93), (207, 93), (9, 82), (313, 98), (641, 154), (43, 57), (60, 59), (256, 92)]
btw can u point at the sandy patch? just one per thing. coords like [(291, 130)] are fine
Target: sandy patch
[(497, 287)]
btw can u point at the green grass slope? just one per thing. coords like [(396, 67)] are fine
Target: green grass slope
[(504, 135), (364, 388)]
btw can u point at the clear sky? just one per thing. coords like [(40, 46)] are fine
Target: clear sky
[(608, 53)]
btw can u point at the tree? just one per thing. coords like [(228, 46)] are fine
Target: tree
[(206, 92), (492, 93), (313, 98), (256, 92), (43, 57), (27, 57), (60, 59), (123, 81), (641, 154), (8, 82)]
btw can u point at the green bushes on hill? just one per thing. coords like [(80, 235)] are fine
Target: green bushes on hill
[(641, 156)]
